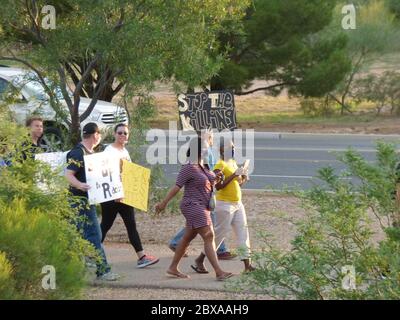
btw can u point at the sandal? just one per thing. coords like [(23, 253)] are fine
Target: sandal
[(250, 269), (225, 276), (179, 275), (198, 269)]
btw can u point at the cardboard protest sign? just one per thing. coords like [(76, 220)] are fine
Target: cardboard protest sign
[(207, 110), (135, 181), (103, 176)]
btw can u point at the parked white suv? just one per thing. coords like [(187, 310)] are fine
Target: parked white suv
[(32, 99)]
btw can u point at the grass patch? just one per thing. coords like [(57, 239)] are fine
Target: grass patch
[(299, 118)]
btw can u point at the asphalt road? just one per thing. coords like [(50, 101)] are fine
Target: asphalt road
[(287, 160)]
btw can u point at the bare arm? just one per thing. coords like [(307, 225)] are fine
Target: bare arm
[(74, 182), (220, 185), (172, 193), (242, 180)]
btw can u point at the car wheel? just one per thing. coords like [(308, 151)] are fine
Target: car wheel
[(52, 140)]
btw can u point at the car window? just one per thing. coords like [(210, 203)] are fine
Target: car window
[(3, 86), (34, 88), (6, 88)]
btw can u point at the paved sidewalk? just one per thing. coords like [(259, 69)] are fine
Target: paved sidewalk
[(123, 261)]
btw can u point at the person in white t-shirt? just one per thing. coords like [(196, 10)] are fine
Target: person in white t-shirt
[(110, 209)]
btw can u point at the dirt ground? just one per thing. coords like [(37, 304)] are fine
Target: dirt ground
[(165, 294)]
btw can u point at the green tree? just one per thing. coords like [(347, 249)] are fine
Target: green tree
[(104, 45), (279, 43), (376, 33)]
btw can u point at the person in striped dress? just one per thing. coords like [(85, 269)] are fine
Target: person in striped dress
[(197, 182), (229, 209), (209, 162)]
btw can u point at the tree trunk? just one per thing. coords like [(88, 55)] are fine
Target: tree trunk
[(88, 88), (107, 94), (342, 109), (398, 111), (75, 135)]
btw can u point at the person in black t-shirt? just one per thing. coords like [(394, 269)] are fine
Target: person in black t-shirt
[(75, 174), (35, 145)]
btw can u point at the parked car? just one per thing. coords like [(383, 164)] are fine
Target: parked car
[(32, 99)]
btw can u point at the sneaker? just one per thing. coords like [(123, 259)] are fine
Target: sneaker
[(90, 263), (226, 255), (109, 276), (147, 260)]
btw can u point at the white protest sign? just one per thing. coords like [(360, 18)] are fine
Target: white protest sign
[(56, 160), (103, 176)]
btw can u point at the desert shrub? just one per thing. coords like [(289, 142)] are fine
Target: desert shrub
[(37, 227), (315, 107), (336, 235), (31, 240), (382, 90), (6, 281)]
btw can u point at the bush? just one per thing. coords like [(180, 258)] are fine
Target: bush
[(316, 107), (382, 90), (6, 281), (31, 239), (394, 7), (37, 228), (337, 232)]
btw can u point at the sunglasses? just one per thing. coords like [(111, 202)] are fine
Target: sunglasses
[(122, 133)]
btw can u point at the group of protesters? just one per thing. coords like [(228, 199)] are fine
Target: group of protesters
[(90, 228), (201, 177), (211, 204)]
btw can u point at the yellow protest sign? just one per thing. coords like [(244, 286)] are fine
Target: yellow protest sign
[(135, 181)]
